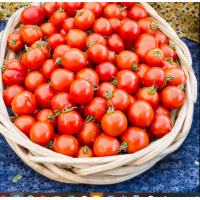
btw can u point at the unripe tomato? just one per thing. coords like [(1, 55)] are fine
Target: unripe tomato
[(84, 152)]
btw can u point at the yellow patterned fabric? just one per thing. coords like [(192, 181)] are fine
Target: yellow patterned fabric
[(182, 16)]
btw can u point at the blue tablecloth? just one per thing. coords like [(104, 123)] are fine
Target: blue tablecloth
[(176, 173)]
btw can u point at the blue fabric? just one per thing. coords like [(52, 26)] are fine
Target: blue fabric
[(176, 173)]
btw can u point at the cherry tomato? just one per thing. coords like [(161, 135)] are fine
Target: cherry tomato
[(103, 4), (95, 7), (115, 23), (95, 38), (60, 5), (134, 139), (106, 145), (140, 113), (137, 12), (24, 103), (161, 125), (84, 152), (129, 45), (48, 29), (56, 40), (147, 25), (81, 91), (115, 43), (49, 8), (89, 63), (112, 11), (61, 79), (160, 109), (127, 81), (124, 13), (166, 65), (150, 135), (44, 95), (133, 99), (112, 57), (168, 51), (24, 124), (129, 30), (102, 26), (33, 15), (160, 37), (62, 31), (69, 24), (13, 73), (172, 97), (36, 111), (15, 42), (73, 60), (127, 4), (127, 60), (72, 7), (67, 145), (51, 144)]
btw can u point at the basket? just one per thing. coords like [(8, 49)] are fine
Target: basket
[(101, 170)]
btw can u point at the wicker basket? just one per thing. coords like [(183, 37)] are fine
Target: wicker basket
[(101, 170)]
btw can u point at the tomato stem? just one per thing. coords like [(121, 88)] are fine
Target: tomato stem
[(98, 124), (58, 61), (108, 95), (67, 109), (13, 42), (152, 89), (114, 81), (106, 36), (41, 44), (27, 48), (45, 38), (170, 60), (37, 28), (79, 12), (50, 84), (157, 53), (154, 26), (116, 55), (172, 46), (50, 116), (90, 118), (181, 87), (57, 112), (50, 144), (123, 8), (61, 9), (135, 67), (132, 48), (85, 150), (3, 68), (90, 44), (111, 108), (89, 31), (123, 146)]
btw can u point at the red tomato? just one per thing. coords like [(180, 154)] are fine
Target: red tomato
[(51, 144), (33, 15), (106, 145), (102, 26), (60, 5), (115, 23), (49, 8), (111, 57), (168, 51), (76, 38), (84, 152), (103, 4), (147, 25), (56, 40), (134, 139), (133, 99), (73, 60), (161, 125), (112, 11), (33, 80), (15, 42), (115, 43), (24, 103), (61, 79), (72, 7), (48, 29), (33, 59), (62, 31), (160, 37), (44, 95), (140, 113), (127, 81), (106, 71), (129, 45), (160, 109), (127, 60), (69, 24), (95, 7), (67, 145), (150, 135), (166, 65), (129, 30), (95, 38), (137, 12), (36, 111), (154, 76), (88, 133), (89, 63), (48, 67), (174, 65), (172, 97), (127, 4), (13, 73), (83, 93)]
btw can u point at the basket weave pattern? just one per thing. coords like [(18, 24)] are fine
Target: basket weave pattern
[(100, 170)]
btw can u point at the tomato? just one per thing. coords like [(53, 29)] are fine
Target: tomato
[(49, 8), (112, 57), (48, 67), (106, 145), (168, 51), (137, 12), (161, 125), (166, 65), (140, 113), (44, 95), (124, 13), (127, 60), (149, 95), (13, 73), (48, 29), (134, 139), (58, 18), (61, 79), (36, 111), (147, 25), (95, 38), (88, 74), (67, 145), (60, 5), (95, 7), (31, 34), (112, 11), (156, 76), (15, 42), (106, 71), (62, 31), (150, 135), (69, 122), (174, 65), (127, 81), (76, 38), (24, 124), (103, 4), (24, 103), (58, 52), (160, 109), (102, 26), (56, 40), (33, 15), (172, 97), (133, 99), (73, 60), (127, 4), (115, 23), (154, 57), (129, 30), (72, 7), (33, 80), (81, 91), (98, 53), (84, 152), (88, 133), (89, 63), (51, 144), (41, 133), (33, 59), (129, 45), (115, 43), (160, 37), (69, 24)]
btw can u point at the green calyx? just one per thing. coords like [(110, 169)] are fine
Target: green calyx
[(168, 78), (50, 84), (13, 42), (57, 112), (61, 9), (135, 67), (123, 8), (157, 53), (132, 48), (181, 87), (58, 61), (89, 31), (172, 46), (50, 144), (67, 109), (86, 52), (98, 124), (27, 48), (152, 89), (45, 38), (154, 26), (35, 27), (41, 44), (170, 60), (85, 150), (3, 68), (90, 118), (79, 12), (90, 44), (50, 116), (108, 95), (123, 146), (111, 108), (116, 55), (122, 22), (114, 81)]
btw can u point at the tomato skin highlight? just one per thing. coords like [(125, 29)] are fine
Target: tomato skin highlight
[(55, 40), (48, 29), (82, 154), (95, 38)]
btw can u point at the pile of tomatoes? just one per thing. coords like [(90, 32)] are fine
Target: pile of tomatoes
[(98, 79)]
